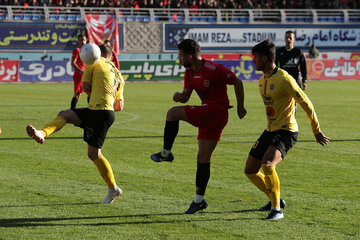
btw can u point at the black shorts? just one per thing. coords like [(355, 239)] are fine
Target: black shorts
[(283, 140), (95, 123)]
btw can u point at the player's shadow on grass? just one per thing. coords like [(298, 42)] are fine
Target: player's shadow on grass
[(181, 218), (179, 136), (49, 205)]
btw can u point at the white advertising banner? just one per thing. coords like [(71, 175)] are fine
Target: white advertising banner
[(240, 37)]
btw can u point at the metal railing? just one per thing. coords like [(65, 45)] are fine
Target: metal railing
[(238, 16)]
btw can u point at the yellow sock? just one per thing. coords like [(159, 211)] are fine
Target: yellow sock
[(272, 183), (53, 126), (258, 179), (106, 172)]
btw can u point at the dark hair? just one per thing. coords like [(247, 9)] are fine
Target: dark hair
[(106, 50), (106, 41), (81, 36), (189, 46), (291, 32), (265, 48)]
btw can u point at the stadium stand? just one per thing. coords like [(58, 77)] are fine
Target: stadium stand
[(241, 16)]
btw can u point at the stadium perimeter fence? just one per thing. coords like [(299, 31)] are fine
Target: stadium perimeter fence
[(145, 33)]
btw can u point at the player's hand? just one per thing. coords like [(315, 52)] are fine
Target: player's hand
[(241, 111), (180, 97), (304, 86), (322, 139)]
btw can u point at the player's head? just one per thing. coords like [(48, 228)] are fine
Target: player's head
[(106, 51), (289, 39), (264, 54), (188, 49), (81, 40), (107, 42)]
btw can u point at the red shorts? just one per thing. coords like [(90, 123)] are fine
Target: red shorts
[(77, 82), (210, 119)]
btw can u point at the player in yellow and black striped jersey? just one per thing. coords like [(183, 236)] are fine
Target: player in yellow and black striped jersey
[(104, 84), (279, 91)]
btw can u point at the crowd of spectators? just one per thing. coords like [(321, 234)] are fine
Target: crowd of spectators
[(193, 4)]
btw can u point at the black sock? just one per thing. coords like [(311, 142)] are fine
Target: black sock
[(170, 132), (202, 177), (73, 103)]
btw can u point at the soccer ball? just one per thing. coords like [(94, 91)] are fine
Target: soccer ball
[(90, 53)]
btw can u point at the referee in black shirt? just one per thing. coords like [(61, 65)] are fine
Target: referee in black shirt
[(290, 58)]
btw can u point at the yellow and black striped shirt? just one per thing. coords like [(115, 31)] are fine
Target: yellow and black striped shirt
[(107, 84), (280, 92)]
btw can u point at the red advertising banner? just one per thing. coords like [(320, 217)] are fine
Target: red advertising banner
[(9, 71), (333, 69)]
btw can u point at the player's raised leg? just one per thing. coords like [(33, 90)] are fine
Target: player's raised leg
[(37, 135), (67, 116), (170, 132)]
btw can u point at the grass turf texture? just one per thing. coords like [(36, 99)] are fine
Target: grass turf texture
[(53, 191)]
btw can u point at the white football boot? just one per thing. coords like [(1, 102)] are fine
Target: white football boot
[(35, 134), (112, 195)]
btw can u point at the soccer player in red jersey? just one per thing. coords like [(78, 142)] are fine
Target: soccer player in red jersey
[(78, 65), (210, 81)]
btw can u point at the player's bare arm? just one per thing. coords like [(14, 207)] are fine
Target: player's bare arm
[(239, 92), (322, 139), (75, 66), (182, 97), (87, 88)]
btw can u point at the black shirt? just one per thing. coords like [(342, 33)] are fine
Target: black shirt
[(290, 61)]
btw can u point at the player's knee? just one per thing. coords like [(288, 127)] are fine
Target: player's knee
[(203, 158), (63, 114), (249, 175), (93, 156), (171, 114), (249, 172)]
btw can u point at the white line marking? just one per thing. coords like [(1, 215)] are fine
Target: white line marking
[(134, 117), (328, 150)]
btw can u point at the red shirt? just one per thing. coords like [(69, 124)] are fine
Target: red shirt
[(210, 82), (75, 55), (115, 60)]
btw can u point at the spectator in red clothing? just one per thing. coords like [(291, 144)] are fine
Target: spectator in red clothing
[(114, 57), (193, 6)]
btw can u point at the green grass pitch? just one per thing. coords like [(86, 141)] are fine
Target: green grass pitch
[(53, 191)]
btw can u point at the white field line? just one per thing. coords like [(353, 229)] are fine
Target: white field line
[(328, 150)]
